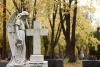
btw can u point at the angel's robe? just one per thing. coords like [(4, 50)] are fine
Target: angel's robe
[(20, 50), (16, 35)]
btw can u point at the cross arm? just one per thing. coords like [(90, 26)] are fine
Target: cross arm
[(44, 32)]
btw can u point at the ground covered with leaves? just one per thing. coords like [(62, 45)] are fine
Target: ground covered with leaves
[(72, 65), (76, 64)]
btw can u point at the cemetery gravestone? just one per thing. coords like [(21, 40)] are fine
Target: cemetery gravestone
[(55, 63), (36, 60), (91, 63), (3, 64)]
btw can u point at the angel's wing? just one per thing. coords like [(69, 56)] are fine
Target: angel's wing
[(11, 22), (11, 32)]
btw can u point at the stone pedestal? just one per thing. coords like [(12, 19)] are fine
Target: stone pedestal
[(37, 61), (16, 65)]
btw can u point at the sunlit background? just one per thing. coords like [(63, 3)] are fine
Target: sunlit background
[(95, 16)]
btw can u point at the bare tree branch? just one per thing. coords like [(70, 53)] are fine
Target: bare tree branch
[(16, 6)]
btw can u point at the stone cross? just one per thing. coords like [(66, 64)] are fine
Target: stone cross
[(36, 32)]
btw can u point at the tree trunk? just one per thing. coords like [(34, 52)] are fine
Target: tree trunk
[(52, 53), (67, 36), (72, 52), (46, 50), (72, 44), (4, 30), (46, 42), (28, 47), (52, 44)]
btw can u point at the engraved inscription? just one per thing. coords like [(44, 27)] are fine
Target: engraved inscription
[(36, 65), (17, 66)]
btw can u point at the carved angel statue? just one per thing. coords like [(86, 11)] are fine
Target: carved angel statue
[(16, 35)]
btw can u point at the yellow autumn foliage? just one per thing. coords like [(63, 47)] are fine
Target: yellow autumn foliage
[(84, 29)]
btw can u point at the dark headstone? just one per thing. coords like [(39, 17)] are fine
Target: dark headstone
[(3, 64), (91, 63), (55, 62), (51, 63), (59, 63)]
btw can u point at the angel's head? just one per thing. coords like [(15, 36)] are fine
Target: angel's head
[(23, 15)]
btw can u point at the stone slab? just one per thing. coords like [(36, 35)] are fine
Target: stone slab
[(37, 64), (3, 64), (16, 65), (55, 62), (36, 58), (90, 63)]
